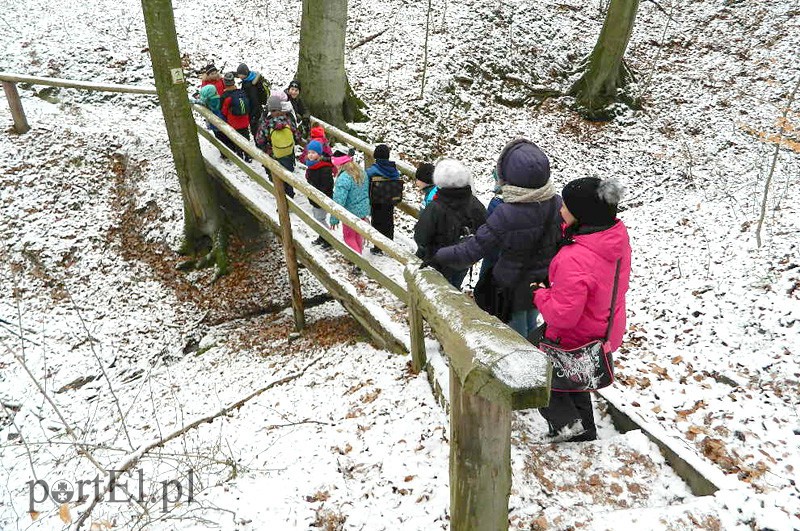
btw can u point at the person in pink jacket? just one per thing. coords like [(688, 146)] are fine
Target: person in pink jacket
[(576, 304)]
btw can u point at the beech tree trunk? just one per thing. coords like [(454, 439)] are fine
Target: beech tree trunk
[(605, 73), (202, 217), (320, 66)]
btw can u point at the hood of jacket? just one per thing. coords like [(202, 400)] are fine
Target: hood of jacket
[(385, 168), (523, 164), (454, 198), (610, 244)]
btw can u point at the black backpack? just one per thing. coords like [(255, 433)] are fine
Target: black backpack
[(385, 191), (240, 105), (262, 89)]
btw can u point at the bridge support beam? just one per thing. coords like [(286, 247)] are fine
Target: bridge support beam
[(15, 104), (289, 253), (480, 460)]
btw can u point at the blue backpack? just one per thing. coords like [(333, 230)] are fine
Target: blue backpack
[(240, 105)]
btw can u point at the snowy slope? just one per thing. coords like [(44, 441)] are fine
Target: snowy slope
[(711, 353)]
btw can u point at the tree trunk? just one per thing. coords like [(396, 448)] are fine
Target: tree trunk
[(605, 72), (202, 218), (320, 67)]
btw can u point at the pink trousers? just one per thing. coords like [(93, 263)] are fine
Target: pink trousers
[(352, 238)]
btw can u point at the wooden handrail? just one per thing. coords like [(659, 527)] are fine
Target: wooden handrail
[(376, 274), (403, 167), (85, 85), (366, 230), (490, 359)]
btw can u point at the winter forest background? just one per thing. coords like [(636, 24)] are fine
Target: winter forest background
[(91, 220)]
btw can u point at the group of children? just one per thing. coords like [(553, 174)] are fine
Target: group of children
[(278, 122), (239, 99)]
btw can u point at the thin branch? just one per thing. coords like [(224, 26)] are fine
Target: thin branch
[(20, 336), (365, 40), (22, 438), (80, 448), (102, 368), (425, 55), (774, 162), (130, 460)]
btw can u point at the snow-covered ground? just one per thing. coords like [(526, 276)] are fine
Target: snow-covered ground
[(91, 216)]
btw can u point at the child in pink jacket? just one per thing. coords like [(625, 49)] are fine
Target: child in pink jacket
[(581, 276)]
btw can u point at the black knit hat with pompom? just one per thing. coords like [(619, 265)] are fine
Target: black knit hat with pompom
[(593, 201)]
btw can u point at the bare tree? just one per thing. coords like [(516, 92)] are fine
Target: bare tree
[(605, 74), (320, 67), (203, 222)]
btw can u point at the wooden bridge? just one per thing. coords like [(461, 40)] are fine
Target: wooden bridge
[(478, 365)]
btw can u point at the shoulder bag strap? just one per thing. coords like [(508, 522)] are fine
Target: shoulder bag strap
[(613, 301)]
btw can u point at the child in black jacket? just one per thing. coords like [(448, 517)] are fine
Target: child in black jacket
[(319, 173), (453, 215)]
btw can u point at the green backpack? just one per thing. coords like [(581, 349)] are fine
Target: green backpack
[(282, 142)]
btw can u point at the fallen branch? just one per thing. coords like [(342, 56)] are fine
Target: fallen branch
[(130, 460), (365, 40)]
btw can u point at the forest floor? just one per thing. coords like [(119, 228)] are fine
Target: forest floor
[(91, 218)]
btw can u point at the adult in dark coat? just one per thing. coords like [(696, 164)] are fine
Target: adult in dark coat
[(300, 112), (524, 229), (453, 214)]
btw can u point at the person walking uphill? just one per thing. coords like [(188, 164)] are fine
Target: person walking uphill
[(235, 108), (386, 190), (277, 137), (351, 190), (210, 76), (576, 305), (524, 229), (454, 214), (257, 90), (209, 98)]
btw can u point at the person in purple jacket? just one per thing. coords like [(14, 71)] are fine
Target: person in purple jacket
[(524, 229), (576, 305)]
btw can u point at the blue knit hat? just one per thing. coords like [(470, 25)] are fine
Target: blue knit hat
[(315, 146)]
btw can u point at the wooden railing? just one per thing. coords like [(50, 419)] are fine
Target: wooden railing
[(493, 370)]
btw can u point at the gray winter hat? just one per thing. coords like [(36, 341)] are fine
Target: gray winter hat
[(274, 103)]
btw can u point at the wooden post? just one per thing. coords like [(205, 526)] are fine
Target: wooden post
[(289, 253), (418, 355), (15, 104), (480, 461), (369, 159)]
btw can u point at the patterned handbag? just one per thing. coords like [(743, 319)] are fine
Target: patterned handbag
[(586, 368)]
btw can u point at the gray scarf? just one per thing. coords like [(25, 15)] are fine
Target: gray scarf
[(517, 194)]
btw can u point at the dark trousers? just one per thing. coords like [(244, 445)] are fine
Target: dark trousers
[(239, 151), (288, 163), (222, 137), (383, 219), (566, 408), (255, 120)]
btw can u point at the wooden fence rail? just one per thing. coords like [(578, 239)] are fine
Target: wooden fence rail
[(493, 370)]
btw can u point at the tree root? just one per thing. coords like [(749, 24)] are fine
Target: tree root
[(217, 256)]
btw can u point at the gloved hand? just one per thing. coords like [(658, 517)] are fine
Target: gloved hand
[(429, 261)]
